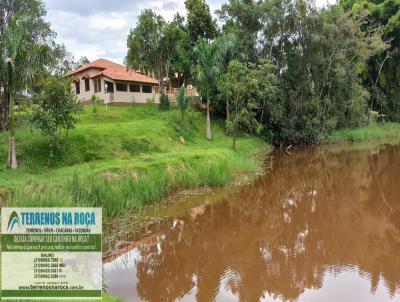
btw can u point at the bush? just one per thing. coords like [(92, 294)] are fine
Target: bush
[(183, 103), (150, 101), (164, 102), (95, 102), (56, 109)]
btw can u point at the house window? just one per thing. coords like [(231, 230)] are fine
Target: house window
[(147, 89), (87, 85), (110, 87), (121, 87), (77, 88), (97, 85), (134, 88)]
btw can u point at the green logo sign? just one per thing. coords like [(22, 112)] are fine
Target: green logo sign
[(14, 219)]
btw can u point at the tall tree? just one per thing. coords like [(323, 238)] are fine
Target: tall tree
[(319, 54), (173, 45), (235, 84), (206, 73), (226, 53), (145, 45), (82, 61), (199, 20), (56, 110), (182, 56), (39, 32), (20, 63), (382, 74), (251, 89), (243, 18)]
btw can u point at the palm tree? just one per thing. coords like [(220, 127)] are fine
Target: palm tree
[(20, 62), (226, 53), (206, 73)]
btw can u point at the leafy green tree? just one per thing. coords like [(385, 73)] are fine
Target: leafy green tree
[(206, 73), (263, 86), (82, 61), (381, 75), (57, 108), (145, 45), (235, 84), (38, 33), (174, 46), (251, 88), (226, 53), (243, 18), (183, 103), (20, 62), (155, 45), (164, 102), (61, 61), (182, 55), (200, 22), (319, 55)]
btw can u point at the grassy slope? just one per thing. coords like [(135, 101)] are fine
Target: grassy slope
[(123, 158), (379, 131)]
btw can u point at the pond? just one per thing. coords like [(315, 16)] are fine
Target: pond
[(322, 225)]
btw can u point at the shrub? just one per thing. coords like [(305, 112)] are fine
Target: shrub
[(164, 102), (95, 102), (132, 103), (151, 100), (183, 103), (56, 110)]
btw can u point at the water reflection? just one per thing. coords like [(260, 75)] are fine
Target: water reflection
[(324, 225)]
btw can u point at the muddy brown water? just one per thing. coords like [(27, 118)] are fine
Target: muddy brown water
[(322, 225)]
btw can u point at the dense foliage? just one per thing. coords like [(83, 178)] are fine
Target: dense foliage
[(382, 74), (57, 108), (183, 103), (330, 67), (164, 102)]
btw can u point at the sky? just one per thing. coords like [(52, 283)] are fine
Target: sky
[(99, 28)]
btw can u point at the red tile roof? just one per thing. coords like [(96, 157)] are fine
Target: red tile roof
[(114, 71)]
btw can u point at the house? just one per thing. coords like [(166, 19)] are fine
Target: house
[(112, 83)]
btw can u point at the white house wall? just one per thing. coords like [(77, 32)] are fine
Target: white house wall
[(119, 96)]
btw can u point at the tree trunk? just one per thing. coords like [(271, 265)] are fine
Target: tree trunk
[(234, 140), (9, 152), (227, 113), (235, 124), (12, 152), (227, 108), (4, 111), (12, 156), (161, 86), (161, 80), (376, 85), (208, 129)]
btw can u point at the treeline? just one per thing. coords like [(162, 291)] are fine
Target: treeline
[(282, 69), (285, 70), (32, 64)]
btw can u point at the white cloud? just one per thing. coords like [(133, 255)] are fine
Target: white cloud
[(97, 28)]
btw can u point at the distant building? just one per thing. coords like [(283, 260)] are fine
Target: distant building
[(112, 83)]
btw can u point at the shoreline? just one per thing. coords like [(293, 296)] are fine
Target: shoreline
[(160, 212), (172, 206)]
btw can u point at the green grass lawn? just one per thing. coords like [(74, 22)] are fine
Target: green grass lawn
[(121, 159)]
